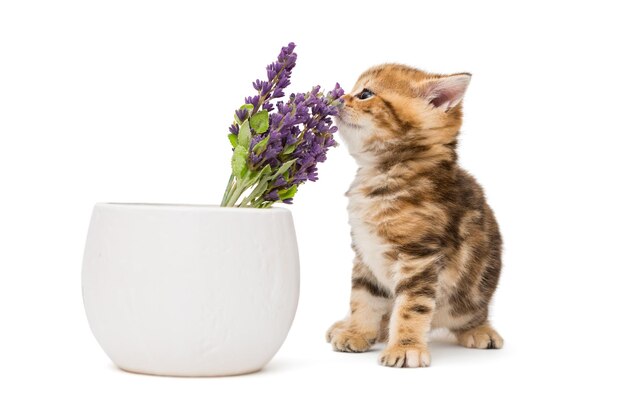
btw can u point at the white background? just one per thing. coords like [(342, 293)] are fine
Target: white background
[(130, 101)]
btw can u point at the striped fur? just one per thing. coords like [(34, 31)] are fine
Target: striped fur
[(427, 245)]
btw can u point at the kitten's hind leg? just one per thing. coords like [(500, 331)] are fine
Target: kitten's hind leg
[(480, 337), (368, 305)]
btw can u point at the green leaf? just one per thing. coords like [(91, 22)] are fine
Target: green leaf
[(288, 193), (244, 135), (258, 176), (261, 146), (266, 170), (260, 121), (239, 162), (247, 107), (262, 175), (233, 139), (289, 149), (283, 168), (253, 177)]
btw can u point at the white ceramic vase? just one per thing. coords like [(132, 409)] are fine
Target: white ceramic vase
[(190, 290)]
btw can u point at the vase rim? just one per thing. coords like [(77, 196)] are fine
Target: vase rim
[(183, 206)]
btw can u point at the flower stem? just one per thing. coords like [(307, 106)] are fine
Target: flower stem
[(240, 187), (228, 190), (260, 188)]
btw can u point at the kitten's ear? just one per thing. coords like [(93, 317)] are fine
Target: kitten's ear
[(446, 92)]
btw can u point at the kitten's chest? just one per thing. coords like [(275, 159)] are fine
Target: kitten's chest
[(369, 244)]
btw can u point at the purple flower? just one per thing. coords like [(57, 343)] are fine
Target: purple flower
[(234, 129), (302, 123), (271, 196), (252, 100), (278, 78), (293, 138), (241, 114)]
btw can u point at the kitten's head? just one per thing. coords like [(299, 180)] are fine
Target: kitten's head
[(394, 107)]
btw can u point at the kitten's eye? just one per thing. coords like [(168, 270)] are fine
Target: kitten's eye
[(364, 94)]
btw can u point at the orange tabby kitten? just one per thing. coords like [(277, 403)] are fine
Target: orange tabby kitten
[(427, 246)]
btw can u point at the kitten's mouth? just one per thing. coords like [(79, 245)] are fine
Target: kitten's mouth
[(343, 121)]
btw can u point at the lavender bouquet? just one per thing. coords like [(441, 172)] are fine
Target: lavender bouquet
[(276, 146)]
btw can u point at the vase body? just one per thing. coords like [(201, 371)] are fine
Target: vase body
[(188, 290)]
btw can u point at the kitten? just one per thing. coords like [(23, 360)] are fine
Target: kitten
[(427, 246)]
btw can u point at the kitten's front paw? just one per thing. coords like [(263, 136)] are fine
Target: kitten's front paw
[(346, 340), (405, 357), (334, 329)]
